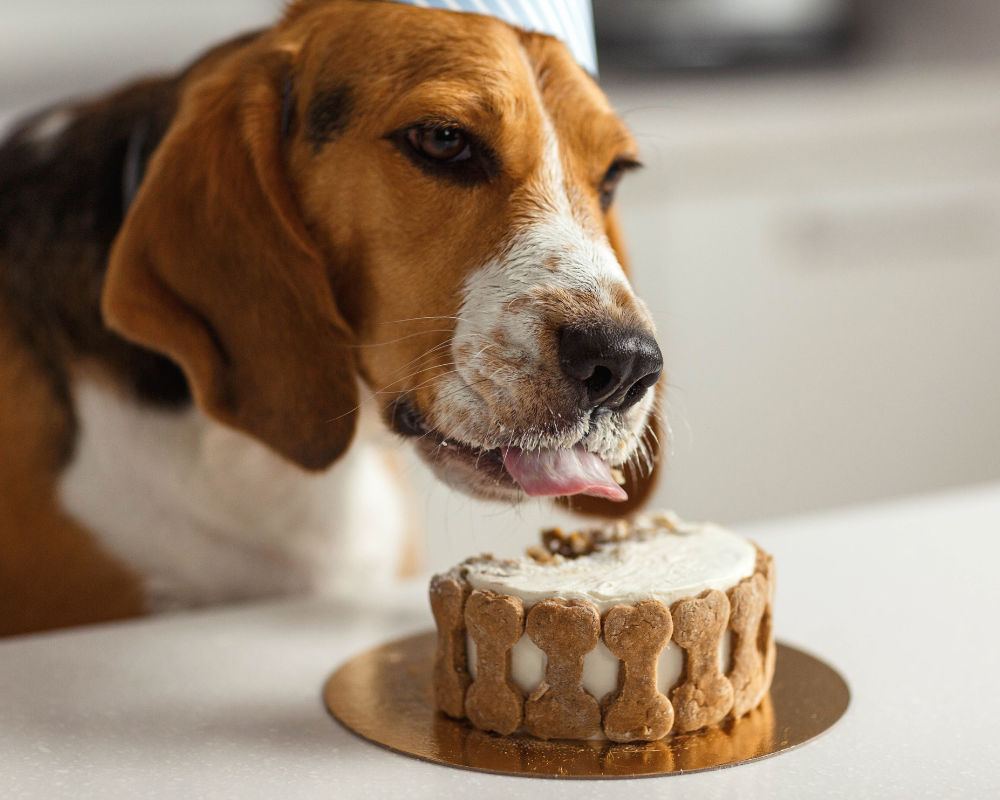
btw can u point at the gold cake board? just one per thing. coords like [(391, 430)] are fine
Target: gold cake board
[(384, 695)]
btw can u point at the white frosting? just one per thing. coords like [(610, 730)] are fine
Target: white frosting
[(664, 565), (668, 562)]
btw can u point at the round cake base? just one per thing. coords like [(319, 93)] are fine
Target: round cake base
[(384, 696)]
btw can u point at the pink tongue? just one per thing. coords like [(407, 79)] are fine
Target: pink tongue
[(552, 473)]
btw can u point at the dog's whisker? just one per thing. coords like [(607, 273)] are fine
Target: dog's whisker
[(402, 338), (388, 387), (392, 380), (425, 354), (462, 388), (433, 378), (376, 393), (422, 319)]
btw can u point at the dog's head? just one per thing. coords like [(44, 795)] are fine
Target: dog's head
[(419, 198)]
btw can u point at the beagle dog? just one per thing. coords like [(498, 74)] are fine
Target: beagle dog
[(371, 217)]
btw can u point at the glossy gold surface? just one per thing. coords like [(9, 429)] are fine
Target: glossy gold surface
[(384, 695)]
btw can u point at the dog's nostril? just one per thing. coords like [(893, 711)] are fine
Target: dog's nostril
[(634, 394), (616, 367), (638, 389), (599, 382)]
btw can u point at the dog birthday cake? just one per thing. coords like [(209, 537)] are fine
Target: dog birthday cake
[(627, 632)]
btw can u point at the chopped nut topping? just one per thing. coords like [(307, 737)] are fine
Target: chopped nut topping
[(538, 554), (556, 543), (570, 545)]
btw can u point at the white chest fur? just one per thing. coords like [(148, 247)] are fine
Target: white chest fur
[(208, 515)]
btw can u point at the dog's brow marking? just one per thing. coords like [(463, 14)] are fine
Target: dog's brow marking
[(328, 115)]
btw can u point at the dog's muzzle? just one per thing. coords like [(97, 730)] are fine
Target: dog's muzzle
[(605, 371)]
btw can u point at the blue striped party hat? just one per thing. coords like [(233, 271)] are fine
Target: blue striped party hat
[(572, 21)]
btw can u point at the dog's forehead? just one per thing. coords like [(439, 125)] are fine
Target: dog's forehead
[(578, 109), (407, 61), (400, 46)]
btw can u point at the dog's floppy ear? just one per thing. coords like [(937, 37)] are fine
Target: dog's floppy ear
[(214, 268), (641, 475)]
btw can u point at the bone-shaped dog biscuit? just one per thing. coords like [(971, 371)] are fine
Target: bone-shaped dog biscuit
[(451, 678), (765, 640), (495, 622), (560, 708), (637, 711), (748, 602), (706, 695)]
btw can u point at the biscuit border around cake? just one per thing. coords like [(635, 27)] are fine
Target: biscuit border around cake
[(560, 707)]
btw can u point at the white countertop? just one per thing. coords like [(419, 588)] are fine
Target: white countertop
[(899, 597)]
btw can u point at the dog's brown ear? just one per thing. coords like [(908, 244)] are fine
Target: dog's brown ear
[(214, 268), (641, 475)]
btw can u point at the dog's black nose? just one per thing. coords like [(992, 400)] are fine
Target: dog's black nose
[(615, 366)]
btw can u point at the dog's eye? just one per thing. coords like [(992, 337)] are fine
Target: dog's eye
[(445, 151), (443, 145), (611, 179)]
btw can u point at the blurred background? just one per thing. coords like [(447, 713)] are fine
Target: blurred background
[(817, 232)]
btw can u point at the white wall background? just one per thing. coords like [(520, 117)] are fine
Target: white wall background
[(53, 48), (824, 259), (820, 249)]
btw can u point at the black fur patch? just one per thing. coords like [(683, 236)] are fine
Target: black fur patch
[(61, 205), (328, 115)]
